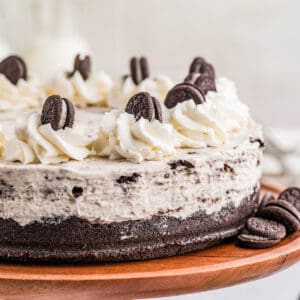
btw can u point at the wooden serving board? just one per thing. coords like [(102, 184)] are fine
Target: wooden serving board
[(213, 268)]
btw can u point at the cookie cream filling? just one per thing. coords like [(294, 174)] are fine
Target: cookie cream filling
[(222, 120), (124, 89), (23, 96), (91, 92), (35, 142), (121, 136)]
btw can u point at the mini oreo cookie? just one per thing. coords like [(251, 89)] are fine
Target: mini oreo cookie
[(141, 106), (158, 115), (191, 78), (134, 70), (14, 68), (287, 206), (144, 68), (182, 92), (247, 240), (291, 195), (208, 70), (267, 197), (58, 111), (265, 228), (282, 216), (199, 65), (83, 66), (205, 84)]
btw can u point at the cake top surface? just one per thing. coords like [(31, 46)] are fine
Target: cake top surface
[(203, 112)]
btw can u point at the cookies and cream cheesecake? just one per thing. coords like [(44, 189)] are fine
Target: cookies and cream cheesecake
[(151, 180)]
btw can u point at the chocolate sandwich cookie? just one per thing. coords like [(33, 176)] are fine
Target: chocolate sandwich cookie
[(59, 112), (143, 105), (82, 65), (191, 78), (14, 68), (267, 197), (265, 228), (144, 68), (291, 195), (158, 115), (247, 240), (287, 206), (139, 69), (282, 216), (183, 92), (134, 71), (205, 83), (199, 65)]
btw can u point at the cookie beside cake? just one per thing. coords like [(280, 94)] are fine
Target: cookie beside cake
[(149, 181)]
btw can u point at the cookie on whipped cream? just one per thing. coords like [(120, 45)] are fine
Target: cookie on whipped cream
[(82, 85), (18, 89), (48, 137), (139, 80)]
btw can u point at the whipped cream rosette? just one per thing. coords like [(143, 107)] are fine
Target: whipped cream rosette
[(48, 137), (82, 86), (139, 80), (137, 134), (220, 119), (2, 140), (18, 91)]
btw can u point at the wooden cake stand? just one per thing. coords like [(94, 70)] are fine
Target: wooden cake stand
[(213, 268)]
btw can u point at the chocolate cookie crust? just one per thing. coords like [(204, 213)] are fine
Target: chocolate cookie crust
[(77, 240)]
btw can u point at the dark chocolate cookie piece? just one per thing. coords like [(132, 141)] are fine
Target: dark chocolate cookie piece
[(291, 195), (197, 65), (247, 240), (134, 71), (70, 113), (53, 112), (267, 197), (158, 115), (82, 65), (141, 106), (14, 68), (191, 78), (282, 216), (183, 92), (287, 206), (144, 66), (205, 84), (209, 71), (265, 228)]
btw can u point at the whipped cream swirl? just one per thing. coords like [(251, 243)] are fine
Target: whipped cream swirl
[(222, 120), (91, 92), (121, 136), (25, 95), (2, 140), (124, 89), (35, 142)]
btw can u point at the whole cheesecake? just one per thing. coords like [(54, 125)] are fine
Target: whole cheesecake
[(101, 210), (64, 199)]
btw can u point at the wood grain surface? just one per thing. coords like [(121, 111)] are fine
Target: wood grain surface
[(220, 266)]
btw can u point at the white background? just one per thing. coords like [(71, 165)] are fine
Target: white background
[(255, 42)]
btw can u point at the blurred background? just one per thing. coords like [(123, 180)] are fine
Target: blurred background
[(254, 42)]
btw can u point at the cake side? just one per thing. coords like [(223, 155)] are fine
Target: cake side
[(102, 191)]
